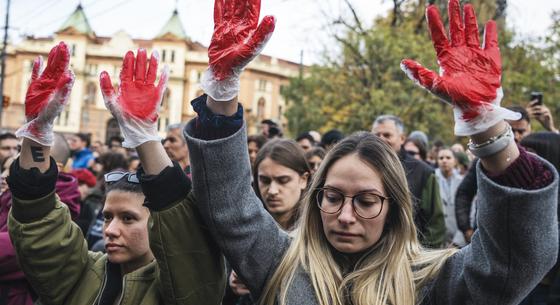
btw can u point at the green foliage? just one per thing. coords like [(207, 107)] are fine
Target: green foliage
[(364, 79)]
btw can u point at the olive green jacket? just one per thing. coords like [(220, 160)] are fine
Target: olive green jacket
[(54, 257)]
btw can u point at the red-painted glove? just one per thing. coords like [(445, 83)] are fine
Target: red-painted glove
[(469, 76), (236, 41), (46, 95), (138, 101)]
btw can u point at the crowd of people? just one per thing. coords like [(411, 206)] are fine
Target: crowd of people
[(211, 215)]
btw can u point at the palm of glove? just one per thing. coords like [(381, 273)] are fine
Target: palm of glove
[(137, 103), (470, 75), (47, 94)]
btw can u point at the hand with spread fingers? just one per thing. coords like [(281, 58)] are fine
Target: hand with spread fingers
[(138, 100), (46, 96), (470, 75), (238, 38)]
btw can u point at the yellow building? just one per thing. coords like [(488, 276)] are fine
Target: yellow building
[(260, 83)]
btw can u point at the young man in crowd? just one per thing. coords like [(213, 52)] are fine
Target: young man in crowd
[(176, 147), (9, 146)]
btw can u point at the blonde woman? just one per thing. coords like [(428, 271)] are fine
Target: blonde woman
[(356, 241)]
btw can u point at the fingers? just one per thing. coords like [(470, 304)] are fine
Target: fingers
[(239, 9), (140, 66), (456, 28), (37, 65), (64, 87), (218, 12), (152, 67), (437, 31), (227, 9), (490, 35), (162, 84), (106, 85), (127, 70), (260, 37), (50, 59), (420, 75), (253, 12), (58, 61), (471, 27)]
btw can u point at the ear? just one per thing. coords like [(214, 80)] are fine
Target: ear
[(303, 181)]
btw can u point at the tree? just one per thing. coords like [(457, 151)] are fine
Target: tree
[(363, 78)]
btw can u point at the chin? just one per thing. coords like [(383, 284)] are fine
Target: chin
[(117, 258), (346, 247)]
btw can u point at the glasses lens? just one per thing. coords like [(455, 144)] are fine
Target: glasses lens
[(114, 176), (133, 178), (329, 200), (368, 205)]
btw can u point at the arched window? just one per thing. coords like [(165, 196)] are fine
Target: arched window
[(261, 106), (166, 98)]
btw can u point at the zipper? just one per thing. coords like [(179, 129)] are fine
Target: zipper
[(102, 287)]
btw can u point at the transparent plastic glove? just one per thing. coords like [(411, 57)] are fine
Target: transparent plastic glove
[(469, 76), (46, 95), (237, 39), (138, 101)]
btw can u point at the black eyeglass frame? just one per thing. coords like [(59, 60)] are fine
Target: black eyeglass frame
[(318, 201), (131, 177)]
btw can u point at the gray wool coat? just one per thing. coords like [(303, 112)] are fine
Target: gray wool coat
[(514, 247)]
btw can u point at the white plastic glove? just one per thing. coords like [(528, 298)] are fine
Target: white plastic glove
[(46, 96), (138, 101), (238, 38), (470, 76)]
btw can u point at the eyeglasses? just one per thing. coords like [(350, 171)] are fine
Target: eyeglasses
[(366, 205), (117, 176)]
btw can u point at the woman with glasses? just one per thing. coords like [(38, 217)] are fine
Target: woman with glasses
[(140, 210), (356, 241)]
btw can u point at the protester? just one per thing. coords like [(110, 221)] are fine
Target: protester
[(82, 156), (133, 163), (356, 243), (176, 147), (428, 210), (449, 179), (306, 141), (52, 251), (541, 113), (522, 127), (255, 143), (9, 146), (314, 158), (415, 148)]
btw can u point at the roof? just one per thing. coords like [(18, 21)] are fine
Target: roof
[(77, 22), (173, 28)]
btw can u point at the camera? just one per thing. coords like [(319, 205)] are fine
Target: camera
[(538, 96)]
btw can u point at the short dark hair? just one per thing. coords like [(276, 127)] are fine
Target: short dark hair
[(260, 140), (7, 135), (306, 135), (422, 149), (331, 137), (123, 185), (523, 111), (269, 122), (316, 151), (85, 137)]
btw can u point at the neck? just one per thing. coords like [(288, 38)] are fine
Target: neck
[(447, 173), (137, 263), (284, 220), (184, 163)]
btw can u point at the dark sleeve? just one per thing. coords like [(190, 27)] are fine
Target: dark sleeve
[(31, 184), (165, 188), (210, 126), (464, 197), (526, 172)]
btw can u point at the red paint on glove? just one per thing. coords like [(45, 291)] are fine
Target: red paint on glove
[(138, 97), (54, 78), (237, 37), (470, 76)]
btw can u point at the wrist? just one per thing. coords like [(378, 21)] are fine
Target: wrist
[(226, 108), (33, 154)]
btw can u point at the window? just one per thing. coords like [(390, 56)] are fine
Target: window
[(73, 50), (262, 85), (91, 92), (163, 55), (280, 109), (198, 76), (261, 108), (172, 56)]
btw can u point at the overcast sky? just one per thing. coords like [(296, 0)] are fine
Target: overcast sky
[(301, 24)]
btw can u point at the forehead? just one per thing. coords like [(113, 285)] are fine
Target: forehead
[(387, 126), (520, 124), (410, 146), (445, 153), (304, 141), (352, 174), (175, 132), (120, 201), (269, 167), (10, 142)]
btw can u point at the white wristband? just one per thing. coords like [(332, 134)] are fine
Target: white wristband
[(493, 145)]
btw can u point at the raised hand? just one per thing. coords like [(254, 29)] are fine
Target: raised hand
[(238, 38), (470, 75), (46, 95), (137, 103)]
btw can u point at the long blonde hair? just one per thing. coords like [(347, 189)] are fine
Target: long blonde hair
[(391, 272)]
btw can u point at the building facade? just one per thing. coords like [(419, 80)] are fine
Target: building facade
[(91, 54)]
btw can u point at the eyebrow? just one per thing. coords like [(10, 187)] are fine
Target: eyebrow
[(274, 177), (373, 190)]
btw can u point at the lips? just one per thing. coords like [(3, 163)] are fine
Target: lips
[(110, 247), (345, 234)]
